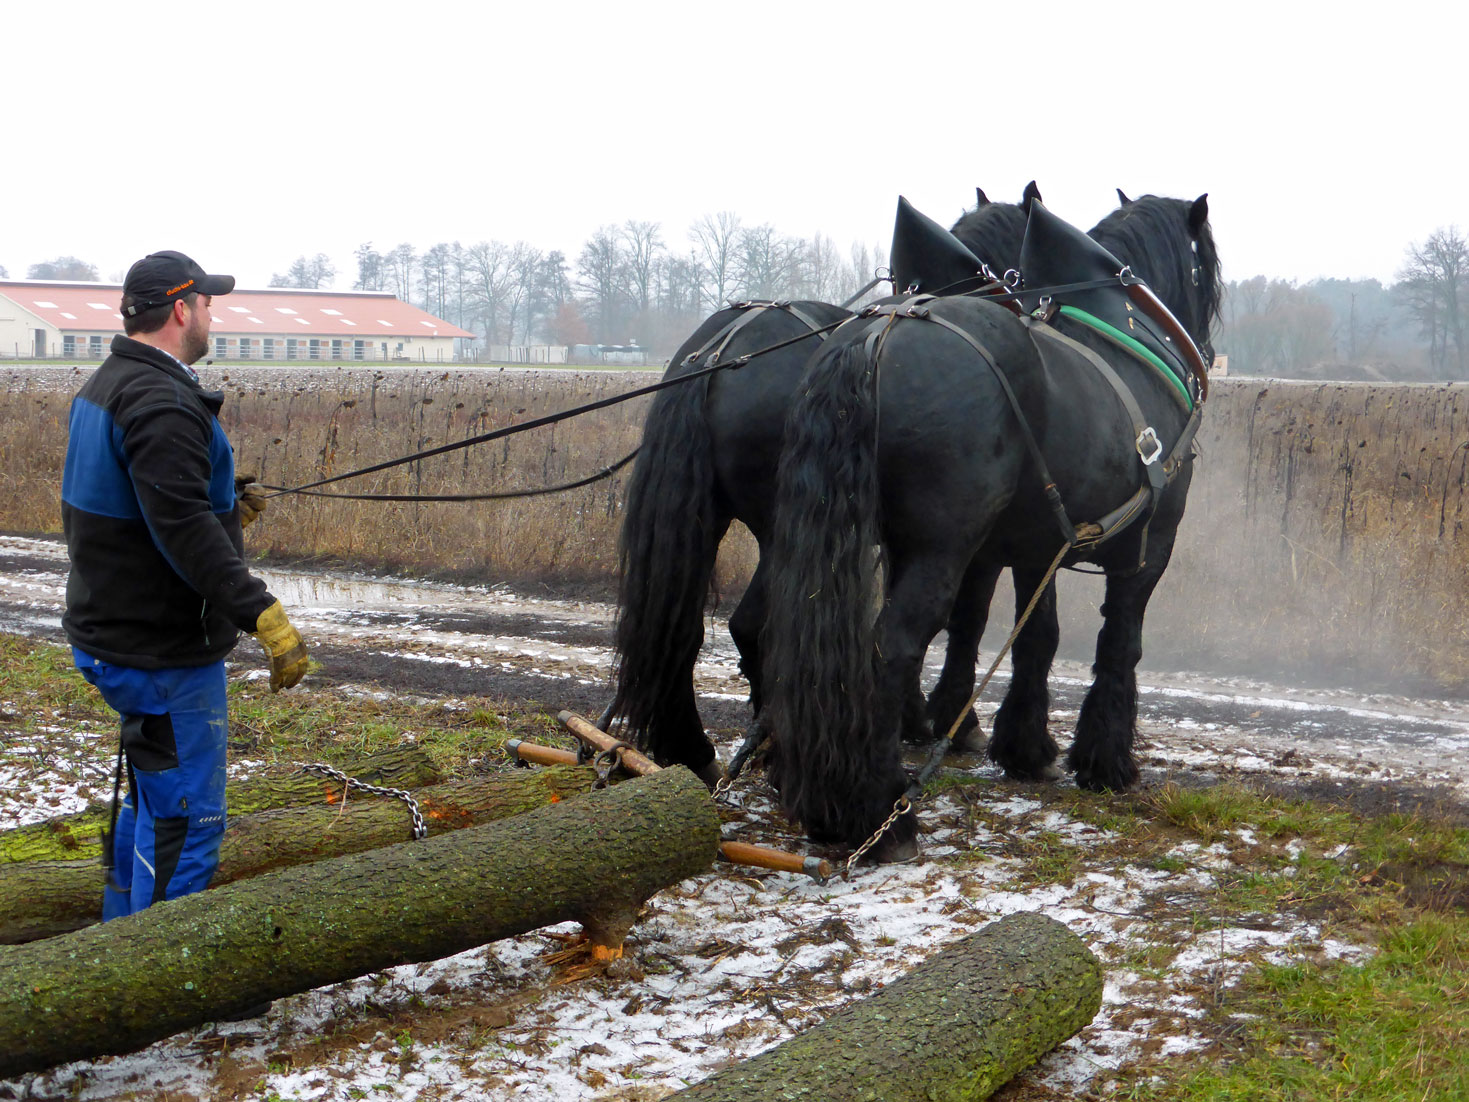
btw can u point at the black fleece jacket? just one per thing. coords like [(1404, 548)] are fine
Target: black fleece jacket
[(158, 577)]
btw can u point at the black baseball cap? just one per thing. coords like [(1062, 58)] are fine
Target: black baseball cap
[(161, 278)]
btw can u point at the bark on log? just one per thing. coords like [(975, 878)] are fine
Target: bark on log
[(69, 837), (45, 898), (121, 985), (957, 1027)]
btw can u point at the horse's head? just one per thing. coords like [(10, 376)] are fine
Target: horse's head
[(993, 231), (1168, 242)]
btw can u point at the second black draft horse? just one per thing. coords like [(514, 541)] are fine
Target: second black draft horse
[(909, 443), (709, 454)]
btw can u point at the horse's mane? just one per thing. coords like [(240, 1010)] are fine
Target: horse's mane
[(1152, 235), (993, 232)]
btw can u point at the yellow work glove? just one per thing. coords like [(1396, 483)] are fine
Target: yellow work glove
[(250, 497), (283, 644)]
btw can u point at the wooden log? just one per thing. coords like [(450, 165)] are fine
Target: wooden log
[(44, 898), (957, 1027), (120, 985), (80, 834), (738, 853)]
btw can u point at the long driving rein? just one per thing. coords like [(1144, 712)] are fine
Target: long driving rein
[(749, 310)]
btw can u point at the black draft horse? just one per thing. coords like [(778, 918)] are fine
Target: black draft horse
[(709, 454), (910, 444)]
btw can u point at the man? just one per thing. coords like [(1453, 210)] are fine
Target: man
[(159, 589)]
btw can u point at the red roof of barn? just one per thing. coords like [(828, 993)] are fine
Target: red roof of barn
[(92, 307)]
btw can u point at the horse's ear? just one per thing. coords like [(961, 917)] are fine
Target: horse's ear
[(984, 200), (1198, 214), (1122, 198), (1031, 195)]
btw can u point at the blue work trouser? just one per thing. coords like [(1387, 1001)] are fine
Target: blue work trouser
[(174, 725)]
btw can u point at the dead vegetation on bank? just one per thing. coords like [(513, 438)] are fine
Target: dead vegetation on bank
[(1325, 533)]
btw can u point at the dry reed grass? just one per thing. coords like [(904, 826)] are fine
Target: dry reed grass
[(1325, 534), (294, 426)]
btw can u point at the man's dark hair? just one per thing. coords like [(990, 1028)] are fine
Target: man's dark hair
[(150, 320)]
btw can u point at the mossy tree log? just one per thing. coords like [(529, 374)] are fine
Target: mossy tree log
[(120, 985), (44, 898), (68, 837), (957, 1027)]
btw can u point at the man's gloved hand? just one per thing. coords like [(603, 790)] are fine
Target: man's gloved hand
[(250, 497), (283, 644)]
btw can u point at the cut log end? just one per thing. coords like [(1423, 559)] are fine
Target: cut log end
[(991, 1004)]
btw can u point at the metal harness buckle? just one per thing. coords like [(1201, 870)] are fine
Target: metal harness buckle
[(1149, 439)]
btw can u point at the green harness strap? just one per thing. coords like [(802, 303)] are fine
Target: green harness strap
[(1133, 345)]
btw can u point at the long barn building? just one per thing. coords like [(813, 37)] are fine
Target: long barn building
[(46, 319)]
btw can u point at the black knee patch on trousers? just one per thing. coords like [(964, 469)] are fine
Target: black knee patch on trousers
[(168, 844), (149, 742)]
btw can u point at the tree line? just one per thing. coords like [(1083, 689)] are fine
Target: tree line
[(1413, 329), (628, 284)]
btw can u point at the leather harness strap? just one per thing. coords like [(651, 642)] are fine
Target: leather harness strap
[(748, 312), (915, 308), (1156, 309), (1159, 474), (1159, 471)]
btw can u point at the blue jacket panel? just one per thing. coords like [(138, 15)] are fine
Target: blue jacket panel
[(158, 577)]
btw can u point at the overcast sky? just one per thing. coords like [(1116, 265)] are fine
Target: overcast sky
[(1328, 135)]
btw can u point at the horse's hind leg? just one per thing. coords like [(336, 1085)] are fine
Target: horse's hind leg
[(745, 624), (956, 681), (676, 736), (1022, 744), (1101, 757), (920, 596)]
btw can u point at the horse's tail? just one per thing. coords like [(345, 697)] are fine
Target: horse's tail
[(666, 550), (819, 653)]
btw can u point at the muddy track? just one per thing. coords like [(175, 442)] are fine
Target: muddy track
[(548, 653)]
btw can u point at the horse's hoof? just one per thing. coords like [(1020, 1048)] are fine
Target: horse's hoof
[(711, 773), (1108, 780), (969, 741), (891, 852), (1037, 773)]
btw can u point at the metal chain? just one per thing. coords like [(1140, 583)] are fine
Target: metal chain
[(901, 806), (420, 828), (608, 760)]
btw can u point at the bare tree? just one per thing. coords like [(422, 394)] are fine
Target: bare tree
[(599, 270), (402, 262), (824, 276), (863, 265), (487, 271), (770, 262), (677, 301), (63, 267), (4, 274), (1435, 281), (553, 286), (435, 269), (716, 246), (642, 246), (523, 274), (307, 272), (372, 269)]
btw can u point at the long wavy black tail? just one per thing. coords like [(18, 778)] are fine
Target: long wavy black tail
[(670, 533), (820, 662)]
